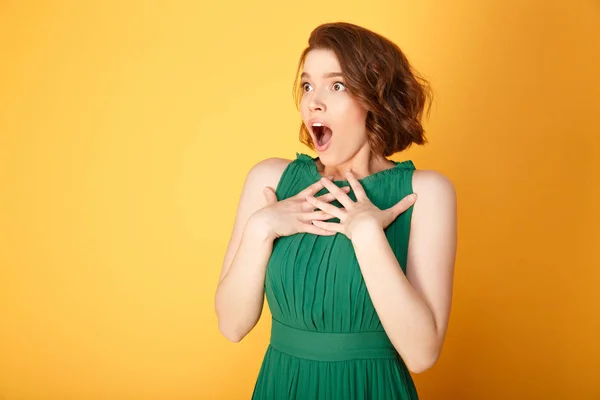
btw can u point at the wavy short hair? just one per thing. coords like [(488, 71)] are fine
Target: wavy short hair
[(380, 77)]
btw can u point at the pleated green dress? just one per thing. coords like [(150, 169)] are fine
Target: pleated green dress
[(327, 341)]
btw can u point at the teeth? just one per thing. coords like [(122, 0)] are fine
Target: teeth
[(317, 124)]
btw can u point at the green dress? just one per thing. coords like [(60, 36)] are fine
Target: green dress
[(327, 341)]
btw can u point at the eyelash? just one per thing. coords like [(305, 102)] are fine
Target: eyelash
[(335, 83)]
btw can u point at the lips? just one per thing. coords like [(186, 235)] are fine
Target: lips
[(321, 133)]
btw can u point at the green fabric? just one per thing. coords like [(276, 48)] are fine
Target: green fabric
[(327, 341)]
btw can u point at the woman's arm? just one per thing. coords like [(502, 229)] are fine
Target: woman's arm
[(414, 309), (240, 293)]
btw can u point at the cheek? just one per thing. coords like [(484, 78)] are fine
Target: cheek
[(355, 113), (304, 108)]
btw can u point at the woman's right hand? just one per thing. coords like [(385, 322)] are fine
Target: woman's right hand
[(294, 214)]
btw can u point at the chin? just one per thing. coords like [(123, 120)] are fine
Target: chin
[(328, 159)]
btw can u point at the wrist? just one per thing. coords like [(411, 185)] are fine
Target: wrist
[(259, 228), (366, 230)]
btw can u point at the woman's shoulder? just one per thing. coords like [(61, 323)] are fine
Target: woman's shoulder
[(268, 172), (271, 165), (430, 177), (434, 186)]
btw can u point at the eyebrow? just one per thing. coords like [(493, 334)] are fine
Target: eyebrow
[(327, 75)]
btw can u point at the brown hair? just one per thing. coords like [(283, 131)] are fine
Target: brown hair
[(380, 77)]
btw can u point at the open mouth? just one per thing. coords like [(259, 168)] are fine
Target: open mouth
[(321, 133)]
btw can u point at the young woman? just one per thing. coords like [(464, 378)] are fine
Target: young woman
[(355, 252)]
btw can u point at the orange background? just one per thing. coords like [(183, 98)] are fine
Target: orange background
[(126, 131)]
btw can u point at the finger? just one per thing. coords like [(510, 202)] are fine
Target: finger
[(270, 195), (328, 226), (315, 215), (337, 192), (356, 186), (315, 230), (329, 197), (328, 208), (403, 204), (311, 190)]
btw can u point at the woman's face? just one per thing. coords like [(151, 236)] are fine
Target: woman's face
[(335, 120)]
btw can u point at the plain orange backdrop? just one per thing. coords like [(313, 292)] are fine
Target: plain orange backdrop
[(126, 131)]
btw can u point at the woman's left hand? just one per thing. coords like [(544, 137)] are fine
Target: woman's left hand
[(359, 213)]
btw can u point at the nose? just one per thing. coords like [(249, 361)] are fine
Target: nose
[(316, 103)]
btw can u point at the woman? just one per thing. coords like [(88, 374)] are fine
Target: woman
[(355, 252)]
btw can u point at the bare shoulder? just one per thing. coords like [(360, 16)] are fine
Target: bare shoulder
[(433, 227), (436, 205), (264, 173), (433, 185), (267, 172)]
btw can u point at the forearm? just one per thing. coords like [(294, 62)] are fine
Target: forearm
[(405, 316), (240, 294)]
